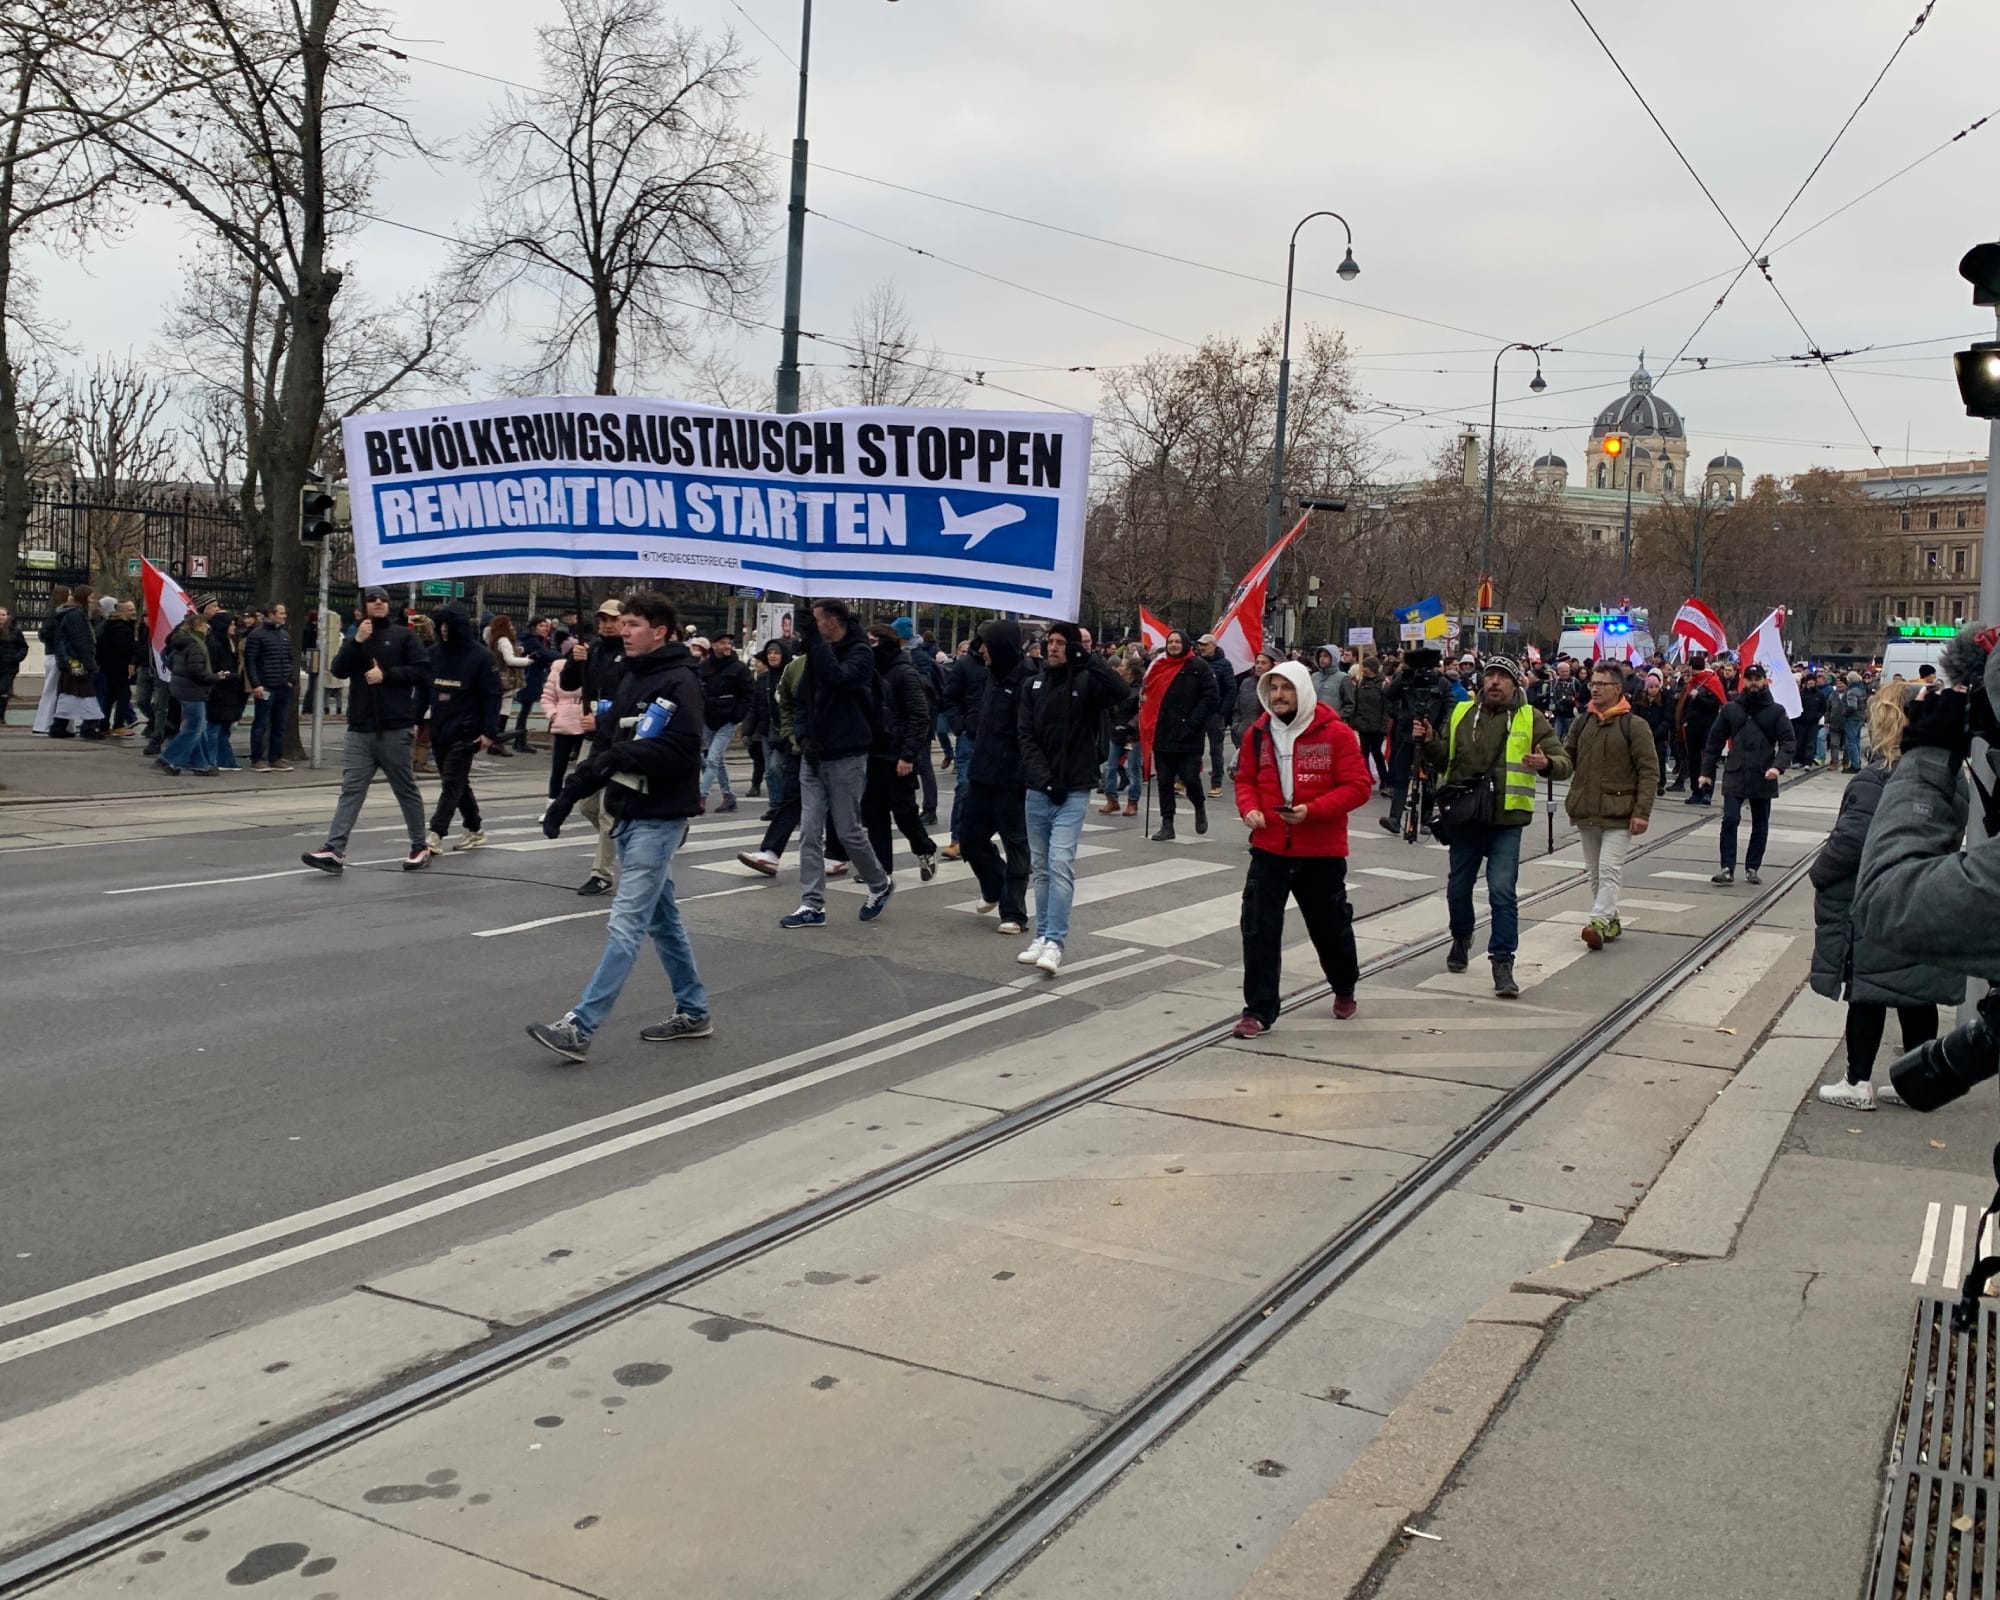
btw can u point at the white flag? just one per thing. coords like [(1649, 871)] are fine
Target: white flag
[(1765, 645)]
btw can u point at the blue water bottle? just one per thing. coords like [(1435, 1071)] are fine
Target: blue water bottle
[(654, 721)]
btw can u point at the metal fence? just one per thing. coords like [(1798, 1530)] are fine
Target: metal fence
[(75, 535)]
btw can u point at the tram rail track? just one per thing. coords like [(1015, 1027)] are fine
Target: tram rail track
[(1040, 1509)]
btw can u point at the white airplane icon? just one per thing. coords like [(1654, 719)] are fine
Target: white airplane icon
[(979, 524)]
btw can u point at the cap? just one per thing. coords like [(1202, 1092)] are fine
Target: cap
[(367, 599), (608, 607), (905, 628), (1754, 669), (1206, 638), (1506, 664), (1468, 656)]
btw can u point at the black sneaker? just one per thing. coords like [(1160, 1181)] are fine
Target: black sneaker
[(679, 1026), (1750, 875), (1201, 822), (327, 860), (1503, 981), (1165, 835), (596, 883), (927, 866), (1461, 955), (1724, 876), (1390, 824)]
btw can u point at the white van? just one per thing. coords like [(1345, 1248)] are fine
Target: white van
[(1902, 657)]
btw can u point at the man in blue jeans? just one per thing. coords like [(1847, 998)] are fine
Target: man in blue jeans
[(1062, 708), (1491, 752), (652, 779)]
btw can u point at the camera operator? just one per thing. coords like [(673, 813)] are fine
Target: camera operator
[(1921, 894), (1417, 693)]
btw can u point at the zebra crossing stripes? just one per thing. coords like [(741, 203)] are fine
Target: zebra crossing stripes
[(1948, 1254)]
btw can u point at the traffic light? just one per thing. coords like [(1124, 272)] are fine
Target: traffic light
[(1614, 444), (1978, 369), (315, 513)]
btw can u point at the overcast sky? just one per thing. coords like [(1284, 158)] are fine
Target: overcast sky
[(1498, 175)]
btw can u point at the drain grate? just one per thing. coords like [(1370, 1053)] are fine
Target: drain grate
[(1941, 1522)]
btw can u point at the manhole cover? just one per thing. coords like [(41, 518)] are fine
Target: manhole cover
[(1940, 1538)]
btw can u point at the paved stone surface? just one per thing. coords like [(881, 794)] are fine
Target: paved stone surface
[(1009, 1266), (303, 1550), (119, 1437), (1528, 1310), (1370, 1342), (1208, 1505), (1584, 1275), (1601, 1141), (680, 1454), (1329, 1551)]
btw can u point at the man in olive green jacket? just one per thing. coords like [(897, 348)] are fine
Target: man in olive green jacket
[(1497, 741), (1611, 796)]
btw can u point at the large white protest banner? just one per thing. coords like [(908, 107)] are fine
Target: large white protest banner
[(979, 508)]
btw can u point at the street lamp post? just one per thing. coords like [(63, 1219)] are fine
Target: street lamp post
[(1492, 425), (1625, 553), (795, 234), (1348, 270)]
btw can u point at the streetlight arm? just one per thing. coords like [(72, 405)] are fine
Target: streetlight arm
[(1274, 502)]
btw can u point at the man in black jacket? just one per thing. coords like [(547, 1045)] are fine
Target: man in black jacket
[(1759, 737), (727, 689), (272, 672), (466, 718), (388, 675), (996, 800), (594, 665), (1217, 725), (649, 769), (834, 719), (1187, 712), (1061, 721), (901, 744), (964, 689)]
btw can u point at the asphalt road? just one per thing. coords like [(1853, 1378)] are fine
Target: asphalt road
[(203, 1038)]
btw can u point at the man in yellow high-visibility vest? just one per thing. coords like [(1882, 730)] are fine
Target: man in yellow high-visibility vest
[(1500, 743)]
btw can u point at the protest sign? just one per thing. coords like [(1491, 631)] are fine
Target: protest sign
[(885, 503), (1359, 638)]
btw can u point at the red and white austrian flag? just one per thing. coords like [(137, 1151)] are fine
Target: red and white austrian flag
[(1765, 644), (1701, 627), (1152, 632), (166, 603)]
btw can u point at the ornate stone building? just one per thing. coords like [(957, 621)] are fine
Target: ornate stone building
[(1653, 465), (1936, 512)]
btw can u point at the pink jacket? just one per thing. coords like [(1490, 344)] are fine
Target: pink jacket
[(564, 706)]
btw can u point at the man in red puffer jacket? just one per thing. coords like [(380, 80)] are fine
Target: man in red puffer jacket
[(1298, 776)]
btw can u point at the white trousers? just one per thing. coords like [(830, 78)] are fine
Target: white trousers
[(1604, 851)]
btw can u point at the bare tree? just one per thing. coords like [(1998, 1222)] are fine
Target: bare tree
[(65, 75), (887, 366), (118, 424), (271, 150), (1184, 462), (624, 189)]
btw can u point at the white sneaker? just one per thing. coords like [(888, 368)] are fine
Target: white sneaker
[(472, 841), (433, 841), (1885, 1093), (1011, 927), (1033, 954), (1854, 1096), (836, 869), (1050, 960)]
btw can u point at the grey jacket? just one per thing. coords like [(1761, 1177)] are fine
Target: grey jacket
[(1335, 688), (1920, 893), (1847, 965)]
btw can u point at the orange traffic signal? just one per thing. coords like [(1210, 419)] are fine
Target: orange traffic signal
[(1614, 445)]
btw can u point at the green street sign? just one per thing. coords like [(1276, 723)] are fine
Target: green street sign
[(131, 566), (441, 587)]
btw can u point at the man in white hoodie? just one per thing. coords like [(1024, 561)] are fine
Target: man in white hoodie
[(1299, 776)]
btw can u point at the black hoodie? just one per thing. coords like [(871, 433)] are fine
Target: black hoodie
[(996, 758), (668, 768), (906, 706), (465, 683), (398, 700)]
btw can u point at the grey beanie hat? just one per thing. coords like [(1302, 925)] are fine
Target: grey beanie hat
[(1506, 664)]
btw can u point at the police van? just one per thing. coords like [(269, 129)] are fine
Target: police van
[(1911, 645), (1620, 632)]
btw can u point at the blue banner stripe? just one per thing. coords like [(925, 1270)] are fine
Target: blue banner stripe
[(943, 579), (438, 558)]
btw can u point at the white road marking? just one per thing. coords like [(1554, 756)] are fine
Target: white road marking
[(1035, 978), (1685, 877), (1954, 1253), (1924, 1251), (387, 1194), (1636, 904), (601, 911), (254, 877), (1546, 948), (1398, 874), (1723, 983), (1168, 928), (195, 1288)]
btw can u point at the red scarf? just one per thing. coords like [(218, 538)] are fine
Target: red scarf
[(1160, 674)]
